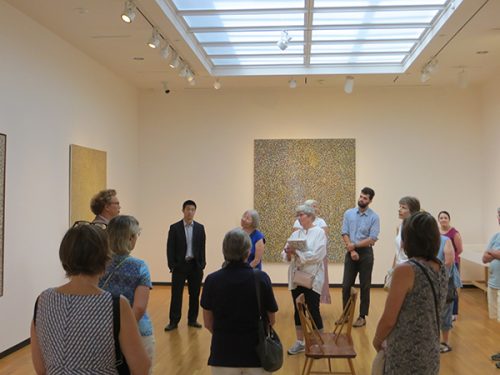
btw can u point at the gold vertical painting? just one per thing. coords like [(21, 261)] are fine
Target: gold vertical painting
[(289, 171), (87, 177), (3, 149)]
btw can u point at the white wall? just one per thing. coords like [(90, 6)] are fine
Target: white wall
[(52, 95), (199, 144), (490, 180)]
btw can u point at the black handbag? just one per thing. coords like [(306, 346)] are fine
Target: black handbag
[(269, 348), (120, 364)]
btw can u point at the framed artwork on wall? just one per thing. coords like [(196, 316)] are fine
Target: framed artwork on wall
[(3, 152), (87, 177), (289, 171)]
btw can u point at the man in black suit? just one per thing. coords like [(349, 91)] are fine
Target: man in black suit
[(186, 261)]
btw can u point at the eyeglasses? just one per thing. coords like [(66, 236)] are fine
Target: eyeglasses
[(114, 203), (80, 223)]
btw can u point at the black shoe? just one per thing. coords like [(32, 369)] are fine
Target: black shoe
[(194, 324), (170, 327), (498, 365), (495, 357)]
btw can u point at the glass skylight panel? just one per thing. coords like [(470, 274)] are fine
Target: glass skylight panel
[(247, 36), (367, 34), (361, 47), (253, 50), (384, 17), (245, 20), (248, 60), (237, 4), (361, 59), (366, 3)]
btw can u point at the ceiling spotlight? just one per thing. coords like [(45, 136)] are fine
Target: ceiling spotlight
[(190, 76), (176, 61), (349, 84), (192, 82), (165, 52), (292, 83), (463, 79), (424, 76), (217, 84), (155, 40), (432, 66), (183, 71), (284, 40), (128, 14)]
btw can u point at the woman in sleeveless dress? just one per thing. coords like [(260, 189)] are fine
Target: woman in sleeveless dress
[(72, 327), (408, 330), (456, 240)]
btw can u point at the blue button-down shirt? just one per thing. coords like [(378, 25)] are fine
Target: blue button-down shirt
[(361, 225)]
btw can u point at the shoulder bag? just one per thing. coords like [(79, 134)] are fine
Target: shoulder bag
[(269, 348), (120, 364), (436, 304)]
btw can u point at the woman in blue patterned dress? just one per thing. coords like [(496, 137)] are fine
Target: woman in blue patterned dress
[(72, 327), (129, 276)]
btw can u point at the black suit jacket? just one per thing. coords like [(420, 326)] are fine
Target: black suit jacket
[(177, 246)]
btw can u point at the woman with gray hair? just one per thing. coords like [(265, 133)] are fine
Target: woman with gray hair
[(230, 308), (249, 223), (308, 259), (129, 276), (319, 222)]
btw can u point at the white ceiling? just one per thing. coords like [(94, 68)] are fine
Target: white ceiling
[(95, 27)]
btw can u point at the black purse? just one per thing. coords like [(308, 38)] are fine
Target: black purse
[(269, 348), (452, 291), (120, 364)]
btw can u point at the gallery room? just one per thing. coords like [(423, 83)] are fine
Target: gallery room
[(422, 119)]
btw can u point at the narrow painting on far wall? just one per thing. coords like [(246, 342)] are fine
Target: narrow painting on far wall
[(3, 149), (87, 177), (289, 171)]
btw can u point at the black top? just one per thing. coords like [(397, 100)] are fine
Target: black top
[(177, 246), (230, 294)]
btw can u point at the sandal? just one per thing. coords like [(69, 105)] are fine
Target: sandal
[(495, 357), (444, 348)]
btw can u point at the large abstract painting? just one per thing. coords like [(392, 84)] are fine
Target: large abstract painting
[(289, 171), (3, 145), (87, 177)]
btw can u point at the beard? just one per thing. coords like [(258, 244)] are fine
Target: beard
[(362, 205)]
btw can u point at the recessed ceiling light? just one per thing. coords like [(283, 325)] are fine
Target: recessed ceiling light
[(482, 52), (138, 58), (81, 10)]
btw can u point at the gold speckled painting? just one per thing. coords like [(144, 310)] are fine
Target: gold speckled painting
[(289, 171)]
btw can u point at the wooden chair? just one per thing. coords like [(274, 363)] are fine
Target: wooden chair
[(328, 345)]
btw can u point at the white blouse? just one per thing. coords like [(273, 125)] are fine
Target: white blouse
[(400, 253), (309, 260)]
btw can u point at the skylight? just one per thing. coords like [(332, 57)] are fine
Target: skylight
[(239, 37)]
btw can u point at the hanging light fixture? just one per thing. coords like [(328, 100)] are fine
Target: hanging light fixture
[(176, 61), (428, 70), (128, 13), (155, 40), (349, 84), (284, 40), (165, 52), (217, 84), (189, 76)]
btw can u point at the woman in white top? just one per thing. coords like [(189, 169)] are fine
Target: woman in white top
[(319, 222), (310, 261), (407, 207)]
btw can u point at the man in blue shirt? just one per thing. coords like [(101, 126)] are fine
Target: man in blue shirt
[(360, 231)]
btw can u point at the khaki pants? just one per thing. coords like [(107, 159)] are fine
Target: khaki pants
[(238, 371)]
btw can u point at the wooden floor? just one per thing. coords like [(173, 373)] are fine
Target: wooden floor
[(185, 351)]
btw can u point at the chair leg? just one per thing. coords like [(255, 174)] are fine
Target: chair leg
[(330, 365), (305, 365), (351, 366), (309, 363)]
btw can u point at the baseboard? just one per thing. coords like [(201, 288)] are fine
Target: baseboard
[(15, 348), (167, 283)]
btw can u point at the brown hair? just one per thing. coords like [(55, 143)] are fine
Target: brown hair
[(84, 250), (100, 200), (412, 203), (421, 236)]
